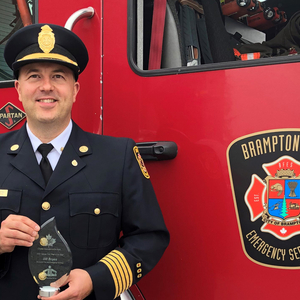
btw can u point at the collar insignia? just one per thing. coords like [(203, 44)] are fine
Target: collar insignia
[(83, 149)]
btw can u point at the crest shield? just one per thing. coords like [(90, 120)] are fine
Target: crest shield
[(284, 198)]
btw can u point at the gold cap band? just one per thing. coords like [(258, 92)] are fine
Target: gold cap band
[(47, 56)]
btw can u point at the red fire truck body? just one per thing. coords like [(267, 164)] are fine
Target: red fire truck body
[(205, 113)]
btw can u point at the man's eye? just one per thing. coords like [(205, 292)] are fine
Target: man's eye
[(58, 76), (33, 76)]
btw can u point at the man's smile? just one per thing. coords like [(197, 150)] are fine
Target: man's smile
[(46, 100)]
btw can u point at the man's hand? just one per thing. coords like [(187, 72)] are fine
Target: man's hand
[(17, 230), (80, 286)]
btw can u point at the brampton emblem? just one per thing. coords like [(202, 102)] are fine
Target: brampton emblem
[(264, 170)]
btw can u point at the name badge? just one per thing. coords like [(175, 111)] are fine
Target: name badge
[(3, 193)]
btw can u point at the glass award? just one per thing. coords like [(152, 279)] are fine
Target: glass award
[(49, 258)]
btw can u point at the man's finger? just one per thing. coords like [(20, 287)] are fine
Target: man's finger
[(21, 223), (60, 282), (17, 230)]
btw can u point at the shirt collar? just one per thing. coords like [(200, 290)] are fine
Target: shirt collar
[(58, 143)]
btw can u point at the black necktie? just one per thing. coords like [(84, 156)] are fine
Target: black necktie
[(45, 166)]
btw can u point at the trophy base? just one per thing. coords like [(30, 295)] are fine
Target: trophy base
[(48, 291)]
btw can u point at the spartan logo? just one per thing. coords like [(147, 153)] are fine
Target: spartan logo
[(10, 115), (264, 169)]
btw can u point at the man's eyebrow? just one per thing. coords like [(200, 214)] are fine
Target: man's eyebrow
[(32, 70), (39, 70), (59, 71)]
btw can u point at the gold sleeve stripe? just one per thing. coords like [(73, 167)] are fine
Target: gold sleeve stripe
[(117, 269), (113, 275), (120, 270), (124, 261)]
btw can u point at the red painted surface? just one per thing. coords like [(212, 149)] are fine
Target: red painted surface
[(136, 293), (203, 113)]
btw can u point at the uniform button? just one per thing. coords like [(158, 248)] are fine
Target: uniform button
[(46, 206), (139, 270), (138, 265), (97, 211), (139, 276), (74, 163)]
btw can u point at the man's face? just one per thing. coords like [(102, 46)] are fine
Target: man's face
[(47, 92)]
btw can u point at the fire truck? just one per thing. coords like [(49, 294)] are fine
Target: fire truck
[(209, 90)]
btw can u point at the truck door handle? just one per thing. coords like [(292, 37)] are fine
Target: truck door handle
[(158, 150), (78, 15)]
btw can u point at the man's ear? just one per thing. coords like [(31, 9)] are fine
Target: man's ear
[(76, 90), (17, 87)]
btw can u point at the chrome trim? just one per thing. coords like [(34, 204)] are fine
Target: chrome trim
[(126, 296)]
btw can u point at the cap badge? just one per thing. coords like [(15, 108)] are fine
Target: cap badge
[(46, 39)]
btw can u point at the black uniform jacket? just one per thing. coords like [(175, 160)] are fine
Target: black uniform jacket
[(117, 246)]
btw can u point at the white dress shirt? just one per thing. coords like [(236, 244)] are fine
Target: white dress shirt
[(58, 145)]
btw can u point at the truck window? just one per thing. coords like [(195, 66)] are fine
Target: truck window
[(200, 35), (14, 14)]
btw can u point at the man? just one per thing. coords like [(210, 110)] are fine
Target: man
[(99, 191)]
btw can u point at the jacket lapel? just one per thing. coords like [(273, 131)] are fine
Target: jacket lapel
[(68, 165), (25, 160), (70, 161)]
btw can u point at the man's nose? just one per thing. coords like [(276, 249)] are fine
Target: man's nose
[(46, 84)]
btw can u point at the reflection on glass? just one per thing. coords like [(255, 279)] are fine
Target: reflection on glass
[(201, 32), (13, 15)]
